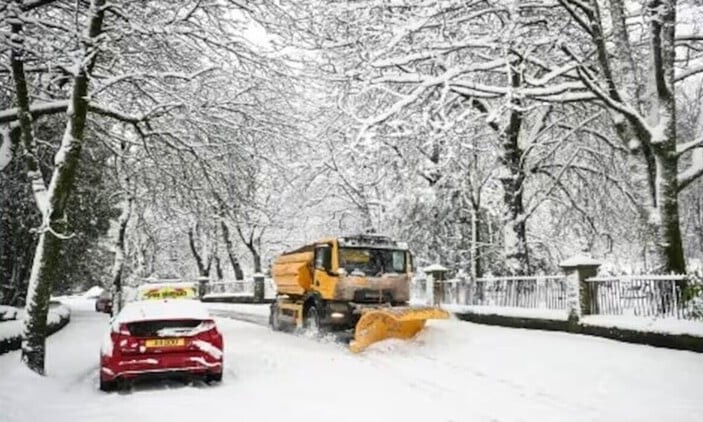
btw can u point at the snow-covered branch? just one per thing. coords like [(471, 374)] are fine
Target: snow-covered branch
[(691, 71), (434, 51), (630, 114), (36, 109), (681, 149), (693, 172), (31, 5), (140, 76)]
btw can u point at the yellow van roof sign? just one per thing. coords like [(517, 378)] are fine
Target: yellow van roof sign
[(168, 292)]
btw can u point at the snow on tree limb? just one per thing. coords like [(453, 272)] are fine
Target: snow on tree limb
[(36, 109), (681, 149), (145, 76), (693, 172), (690, 71)]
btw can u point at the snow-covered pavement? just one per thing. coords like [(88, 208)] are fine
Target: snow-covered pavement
[(453, 371)]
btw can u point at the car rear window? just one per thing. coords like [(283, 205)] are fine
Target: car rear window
[(163, 328)]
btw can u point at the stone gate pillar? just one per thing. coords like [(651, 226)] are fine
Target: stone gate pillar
[(580, 298)]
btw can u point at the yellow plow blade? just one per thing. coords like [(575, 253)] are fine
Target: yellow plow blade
[(401, 322)]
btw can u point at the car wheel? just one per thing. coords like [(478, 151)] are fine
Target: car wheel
[(213, 377), (107, 386)]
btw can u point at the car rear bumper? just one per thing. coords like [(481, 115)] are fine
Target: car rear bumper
[(155, 365)]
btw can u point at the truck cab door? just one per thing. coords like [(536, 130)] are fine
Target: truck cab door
[(323, 268)]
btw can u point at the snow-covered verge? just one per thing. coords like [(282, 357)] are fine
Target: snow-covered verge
[(11, 331), (551, 314), (646, 324), (244, 308), (452, 371)]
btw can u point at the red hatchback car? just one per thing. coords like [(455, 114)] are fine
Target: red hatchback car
[(157, 338)]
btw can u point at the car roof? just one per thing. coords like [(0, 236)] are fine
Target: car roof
[(150, 310)]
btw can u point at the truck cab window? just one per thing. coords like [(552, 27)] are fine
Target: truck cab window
[(323, 257)]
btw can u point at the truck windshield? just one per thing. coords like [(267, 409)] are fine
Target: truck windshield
[(372, 262)]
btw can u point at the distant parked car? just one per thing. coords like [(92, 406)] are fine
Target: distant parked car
[(157, 338), (104, 302)]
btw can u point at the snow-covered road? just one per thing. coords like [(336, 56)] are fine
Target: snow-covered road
[(453, 371)]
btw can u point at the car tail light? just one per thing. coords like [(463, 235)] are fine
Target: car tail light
[(207, 326), (122, 339), (207, 330)]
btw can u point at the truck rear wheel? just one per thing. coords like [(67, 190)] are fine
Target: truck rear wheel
[(275, 319)]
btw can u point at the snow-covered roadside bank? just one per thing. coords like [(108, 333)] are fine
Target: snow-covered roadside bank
[(646, 324), (550, 314), (259, 310), (11, 331)]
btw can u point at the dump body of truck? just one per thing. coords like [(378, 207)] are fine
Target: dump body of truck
[(354, 282)]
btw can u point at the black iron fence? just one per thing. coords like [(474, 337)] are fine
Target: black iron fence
[(668, 296), (545, 292), (641, 295)]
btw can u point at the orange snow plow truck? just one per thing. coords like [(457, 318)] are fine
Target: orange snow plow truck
[(357, 282)]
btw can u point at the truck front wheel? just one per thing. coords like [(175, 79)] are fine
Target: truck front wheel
[(311, 323)]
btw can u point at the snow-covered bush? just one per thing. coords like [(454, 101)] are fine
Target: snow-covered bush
[(693, 294), (8, 313), (11, 331)]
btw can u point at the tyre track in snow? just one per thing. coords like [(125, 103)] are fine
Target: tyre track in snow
[(422, 352), (399, 367)]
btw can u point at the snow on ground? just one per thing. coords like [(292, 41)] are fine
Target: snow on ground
[(76, 302), (93, 292), (453, 371)]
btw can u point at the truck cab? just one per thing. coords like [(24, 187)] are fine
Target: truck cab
[(328, 282), (362, 269)]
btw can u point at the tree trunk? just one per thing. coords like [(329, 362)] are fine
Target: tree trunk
[(236, 266), (664, 215), (257, 260), (46, 263), (251, 244), (46, 258), (218, 267), (477, 265), (118, 265), (512, 180), (203, 270)]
